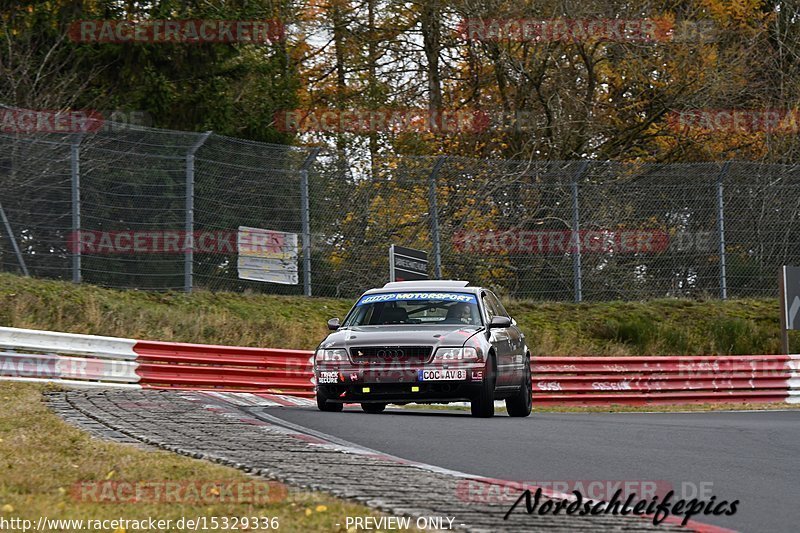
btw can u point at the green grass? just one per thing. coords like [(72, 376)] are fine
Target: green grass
[(659, 327)]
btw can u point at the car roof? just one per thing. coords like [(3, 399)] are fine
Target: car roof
[(427, 285)]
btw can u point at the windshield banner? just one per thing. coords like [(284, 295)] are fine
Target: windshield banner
[(412, 296)]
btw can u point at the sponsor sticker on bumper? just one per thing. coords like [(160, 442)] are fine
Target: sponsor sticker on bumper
[(328, 377), (442, 375)]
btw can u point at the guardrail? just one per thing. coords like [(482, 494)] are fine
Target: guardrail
[(666, 380), (69, 359), (88, 360), (202, 366)]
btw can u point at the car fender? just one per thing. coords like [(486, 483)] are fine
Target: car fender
[(478, 340)]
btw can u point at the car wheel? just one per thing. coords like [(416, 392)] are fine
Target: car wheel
[(521, 403), (482, 406), (323, 404), (373, 408)]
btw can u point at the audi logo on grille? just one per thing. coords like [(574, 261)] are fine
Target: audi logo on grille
[(391, 353)]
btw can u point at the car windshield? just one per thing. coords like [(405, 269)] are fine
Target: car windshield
[(458, 309)]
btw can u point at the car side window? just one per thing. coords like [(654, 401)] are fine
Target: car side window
[(497, 305), (367, 318), (490, 309)]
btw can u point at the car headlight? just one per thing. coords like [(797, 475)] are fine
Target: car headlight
[(456, 354), (330, 356)]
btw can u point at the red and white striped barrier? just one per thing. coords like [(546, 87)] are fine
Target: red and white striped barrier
[(87, 360), (666, 380)]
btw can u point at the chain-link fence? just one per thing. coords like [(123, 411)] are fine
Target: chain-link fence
[(115, 207)]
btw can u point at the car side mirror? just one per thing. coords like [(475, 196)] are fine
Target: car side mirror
[(333, 324), (499, 322)]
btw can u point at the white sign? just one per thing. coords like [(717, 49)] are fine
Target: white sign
[(266, 255)]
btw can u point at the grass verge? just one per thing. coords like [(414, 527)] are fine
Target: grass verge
[(42, 457), (659, 327)]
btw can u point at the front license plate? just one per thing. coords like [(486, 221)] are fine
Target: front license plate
[(328, 377), (442, 375)]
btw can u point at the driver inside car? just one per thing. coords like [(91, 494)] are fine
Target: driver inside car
[(460, 313)]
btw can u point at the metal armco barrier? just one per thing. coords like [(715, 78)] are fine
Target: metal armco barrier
[(203, 366), (666, 380), (87, 360), (65, 358)]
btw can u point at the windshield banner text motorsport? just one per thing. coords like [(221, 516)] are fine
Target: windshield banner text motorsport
[(411, 296)]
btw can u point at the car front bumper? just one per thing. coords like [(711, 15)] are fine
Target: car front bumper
[(355, 383)]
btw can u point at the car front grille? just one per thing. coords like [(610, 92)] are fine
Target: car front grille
[(388, 355)]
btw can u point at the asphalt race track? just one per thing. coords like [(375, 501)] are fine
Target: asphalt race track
[(238, 431), (750, 456)]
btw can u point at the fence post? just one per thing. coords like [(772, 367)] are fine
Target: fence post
[(305, 219), (577, 274), (188, 258), (13, 240), (434, 211), (75, 171), (723, 274)]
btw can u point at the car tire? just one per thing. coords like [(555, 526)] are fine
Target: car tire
[(522, 402), (373, 408), (323, 404), (482, 405)]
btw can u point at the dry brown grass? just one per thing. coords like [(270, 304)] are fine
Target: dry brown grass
[(41, 457)]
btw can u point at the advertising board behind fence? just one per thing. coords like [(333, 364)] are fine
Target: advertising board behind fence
[(266, 255)]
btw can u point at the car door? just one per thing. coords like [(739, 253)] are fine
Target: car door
[(516, 344), (500, 339)]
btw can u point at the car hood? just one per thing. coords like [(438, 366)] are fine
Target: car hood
[(403, 335)]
